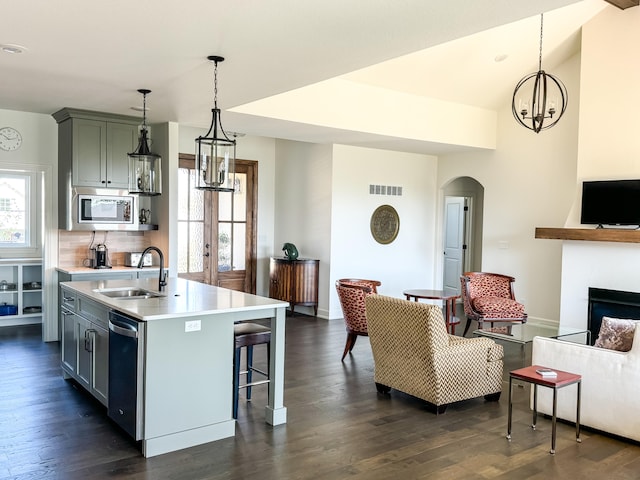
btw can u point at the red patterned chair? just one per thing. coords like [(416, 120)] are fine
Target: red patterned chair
[(413, 353), (352, 292), (489, 297)]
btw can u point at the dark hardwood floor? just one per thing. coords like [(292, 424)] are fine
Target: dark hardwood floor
[(338, 427)]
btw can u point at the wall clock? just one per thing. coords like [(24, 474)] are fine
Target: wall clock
[(385, 224), (10, 138)]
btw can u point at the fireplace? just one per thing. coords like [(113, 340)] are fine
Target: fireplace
[(610, 303)]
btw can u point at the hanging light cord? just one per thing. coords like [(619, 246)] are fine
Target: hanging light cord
[(215, 85), (144, 111), (540, 55)]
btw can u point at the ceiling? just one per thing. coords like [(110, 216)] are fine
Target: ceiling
[(95, 55)]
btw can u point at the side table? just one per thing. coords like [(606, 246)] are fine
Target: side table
[(529, 374), (294, 281), (449, 300)]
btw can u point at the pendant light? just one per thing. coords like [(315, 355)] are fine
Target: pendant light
[(215, 151), (539, 99), (145, 176)]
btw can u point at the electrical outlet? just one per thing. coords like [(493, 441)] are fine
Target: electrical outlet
[(192, 325)]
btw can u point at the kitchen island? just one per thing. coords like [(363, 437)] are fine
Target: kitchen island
[(188, 356)]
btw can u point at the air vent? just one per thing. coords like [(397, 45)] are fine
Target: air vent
[(385, 190)]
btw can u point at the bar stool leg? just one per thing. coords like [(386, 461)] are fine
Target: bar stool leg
[(268, 369), (236, 380), (249, 369)]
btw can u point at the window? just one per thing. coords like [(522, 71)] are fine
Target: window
[(21, 219), (15, 210), (190, 223)]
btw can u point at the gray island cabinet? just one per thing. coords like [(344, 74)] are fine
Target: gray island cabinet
[(85, 342), (187, 358)]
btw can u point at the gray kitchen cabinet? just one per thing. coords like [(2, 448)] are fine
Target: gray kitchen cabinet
[(122, 139), (93, 358), (84, 349), (93, 148), (99, 153), (88, 152), (85, 343), (69, 350)]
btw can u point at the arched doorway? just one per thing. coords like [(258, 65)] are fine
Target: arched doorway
[(462, 230)]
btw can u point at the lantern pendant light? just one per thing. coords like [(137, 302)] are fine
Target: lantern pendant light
[(539, 99), (145, 176), (215, 151)]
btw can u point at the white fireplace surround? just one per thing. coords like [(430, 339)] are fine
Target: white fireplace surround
[(613, 266)]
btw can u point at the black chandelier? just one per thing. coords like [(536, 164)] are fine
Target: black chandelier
[(144, 167), (215, 151), (540, 98)]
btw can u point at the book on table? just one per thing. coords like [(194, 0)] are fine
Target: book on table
[(546, 372)]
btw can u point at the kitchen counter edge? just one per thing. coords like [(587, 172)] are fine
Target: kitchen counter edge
[(181, 298), (118, 269)]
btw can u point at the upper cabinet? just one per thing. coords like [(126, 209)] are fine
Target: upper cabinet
[(93, 148)]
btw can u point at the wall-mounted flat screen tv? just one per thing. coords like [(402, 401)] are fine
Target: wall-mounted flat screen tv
[(611, 202)]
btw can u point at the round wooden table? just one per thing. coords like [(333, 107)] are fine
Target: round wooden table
[(448, 299)]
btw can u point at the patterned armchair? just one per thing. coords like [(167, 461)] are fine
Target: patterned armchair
[(352, 292), (489, 297), (413, 353)]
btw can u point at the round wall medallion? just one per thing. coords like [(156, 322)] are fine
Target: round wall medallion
[(385, 224)]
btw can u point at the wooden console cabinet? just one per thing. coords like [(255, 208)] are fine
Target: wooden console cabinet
[(294, 281)]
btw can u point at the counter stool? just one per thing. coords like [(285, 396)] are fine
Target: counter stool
[(248, 335)]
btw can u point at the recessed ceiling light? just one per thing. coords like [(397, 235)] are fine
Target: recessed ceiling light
[(139, 109), (11, 48), (500, 58)]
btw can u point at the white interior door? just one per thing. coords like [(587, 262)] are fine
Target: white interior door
[(454, 242)]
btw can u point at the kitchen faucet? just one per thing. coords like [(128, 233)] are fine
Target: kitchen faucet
[(162, 280)]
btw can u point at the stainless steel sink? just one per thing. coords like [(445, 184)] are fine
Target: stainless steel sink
[(127, 293)]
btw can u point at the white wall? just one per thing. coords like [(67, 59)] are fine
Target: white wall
[(407, 262), (39, 152), (529, 181), (303, 207), (609, 147), (595, 264), (164, 207), (323, 206), (609, 98)]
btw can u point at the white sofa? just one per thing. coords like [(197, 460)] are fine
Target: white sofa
[(610, 381)]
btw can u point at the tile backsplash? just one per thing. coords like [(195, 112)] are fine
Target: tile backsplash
[(73, 247)]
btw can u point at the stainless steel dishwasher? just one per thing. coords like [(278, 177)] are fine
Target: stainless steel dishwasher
[(126, 367)]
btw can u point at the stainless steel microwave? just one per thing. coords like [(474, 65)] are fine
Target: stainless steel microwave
[(103, 209)]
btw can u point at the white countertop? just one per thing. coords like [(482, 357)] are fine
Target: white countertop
[(181, 298), (89, 270)]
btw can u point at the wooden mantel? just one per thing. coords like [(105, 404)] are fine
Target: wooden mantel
[(624, 4), (589, 234)]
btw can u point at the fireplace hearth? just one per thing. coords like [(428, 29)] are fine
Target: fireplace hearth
[(610, 303)]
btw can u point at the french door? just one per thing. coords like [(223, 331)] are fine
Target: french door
[(217, 230)]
